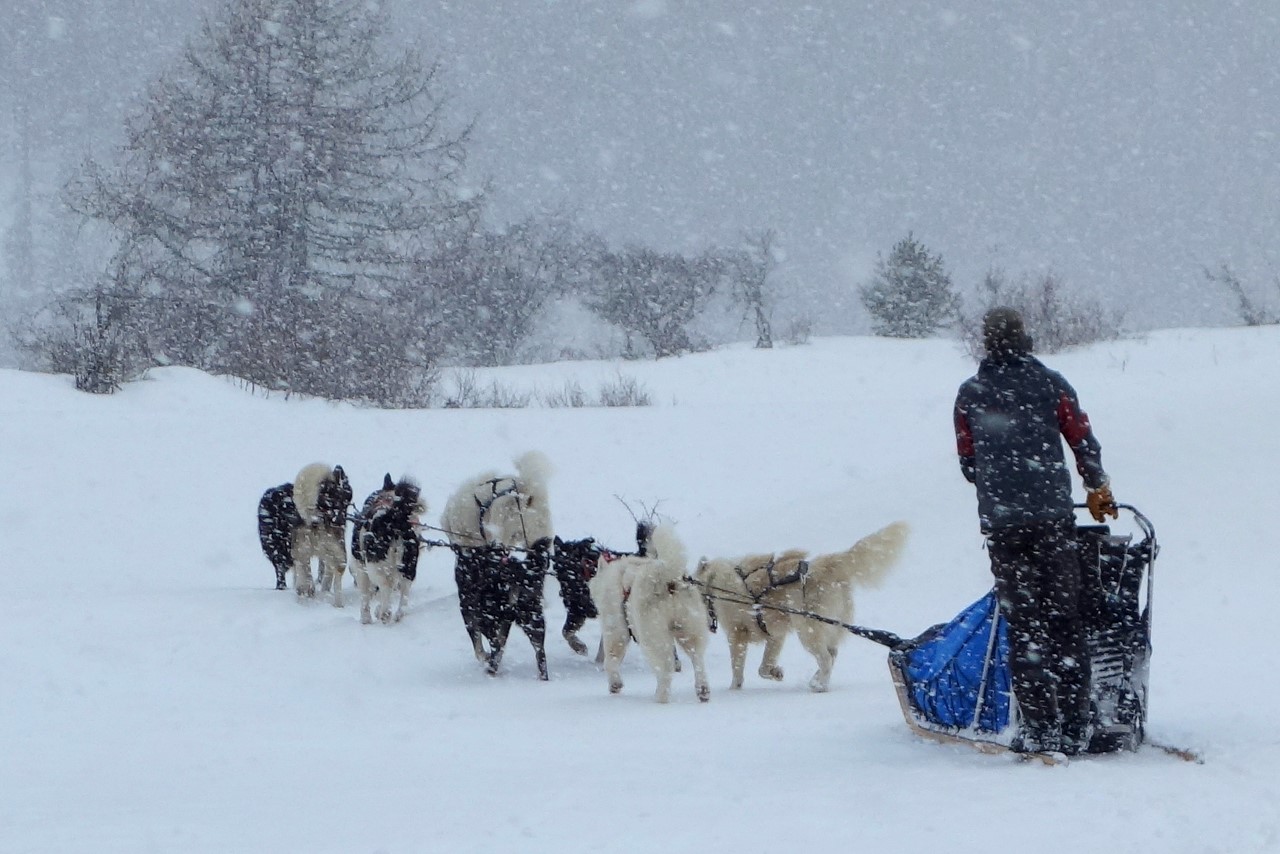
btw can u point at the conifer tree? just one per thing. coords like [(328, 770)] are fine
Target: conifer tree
[(272, 191), (910, 295)]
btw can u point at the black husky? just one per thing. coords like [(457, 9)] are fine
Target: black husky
[(498, 587), (277, 520), (575, 564)]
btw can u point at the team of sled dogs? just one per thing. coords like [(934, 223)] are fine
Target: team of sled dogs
[(499, 529)]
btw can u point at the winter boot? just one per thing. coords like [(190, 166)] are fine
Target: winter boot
[(1037, 738), (1075, 737)]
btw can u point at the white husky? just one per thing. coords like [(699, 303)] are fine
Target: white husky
[(652, 599), (756, 598)]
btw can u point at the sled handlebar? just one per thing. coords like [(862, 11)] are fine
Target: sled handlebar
[(1140, 518)]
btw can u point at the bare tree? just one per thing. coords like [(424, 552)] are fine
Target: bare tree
[(487, 290), (88, 334), (1250, 312), (1056, 317), (754, 265), (656, 295)]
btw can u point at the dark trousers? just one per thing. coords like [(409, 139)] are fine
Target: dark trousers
[(1038, 583)]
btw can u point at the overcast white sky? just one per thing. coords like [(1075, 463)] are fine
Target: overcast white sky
[(1123, 144)]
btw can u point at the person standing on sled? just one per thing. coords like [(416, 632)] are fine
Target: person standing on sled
[(1008, 420)]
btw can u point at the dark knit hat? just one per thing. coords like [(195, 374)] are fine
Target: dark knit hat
[(1003, 333)]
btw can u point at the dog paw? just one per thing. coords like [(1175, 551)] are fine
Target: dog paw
[(774, 673), (366, 617), (576, 645), (704, 693), (615, 686), (818, 685)]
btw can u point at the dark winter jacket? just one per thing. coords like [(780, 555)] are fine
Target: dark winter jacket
[(1008, 420)]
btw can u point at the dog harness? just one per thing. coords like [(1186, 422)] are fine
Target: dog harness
[(798, 576), (482, 506)]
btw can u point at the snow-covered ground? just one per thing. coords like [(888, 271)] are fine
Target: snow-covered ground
[(159, 695)]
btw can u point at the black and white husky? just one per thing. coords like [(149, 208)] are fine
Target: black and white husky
[(306, 520), (384, 548)]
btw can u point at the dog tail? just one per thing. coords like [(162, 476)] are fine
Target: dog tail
[(534, 469), (306, 489), (666, 547), (868, 561)]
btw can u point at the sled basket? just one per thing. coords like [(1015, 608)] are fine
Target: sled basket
[(954, 681)]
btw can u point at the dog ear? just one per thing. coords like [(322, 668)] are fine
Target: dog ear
[(387, 482), (559, 542)]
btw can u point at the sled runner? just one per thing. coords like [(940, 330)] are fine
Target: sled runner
[(954, 681)]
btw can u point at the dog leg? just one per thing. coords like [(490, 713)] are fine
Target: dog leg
[(535, 629), (361, 577), (404, 598), (613, 646), (466, 575), (304, 548), (660, 660), (826, 657), (664, 673), (302, 581), (366, 597), (575, 643), (281, 569), (738, 639), (339, 598), (334, 564), (769, 668), (477, 646), (331, 573), (675, 659), (695, 648), (384, 602), (573, 621), (497, 645)]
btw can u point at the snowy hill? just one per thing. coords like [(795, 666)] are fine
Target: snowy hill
[(161, 696)]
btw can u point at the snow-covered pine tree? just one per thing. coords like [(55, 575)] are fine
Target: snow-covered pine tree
[(271, 191), (910, 295)]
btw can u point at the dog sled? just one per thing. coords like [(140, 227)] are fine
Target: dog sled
[(954, 681)]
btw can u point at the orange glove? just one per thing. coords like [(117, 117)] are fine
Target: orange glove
[(1101, 503)]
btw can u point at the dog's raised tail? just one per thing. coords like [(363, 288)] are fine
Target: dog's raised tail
[(306, 489), (667, 548), (535, 469), (868, 561)]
